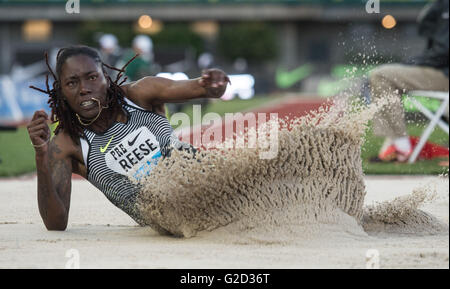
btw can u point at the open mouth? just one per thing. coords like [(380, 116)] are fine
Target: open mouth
[(90, 103), (87, 103)]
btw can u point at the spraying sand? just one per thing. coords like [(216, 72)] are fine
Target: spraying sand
[(315, 180), (404, 216)]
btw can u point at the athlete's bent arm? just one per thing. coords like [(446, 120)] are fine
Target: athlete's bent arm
[(54, 171), (151, 91)]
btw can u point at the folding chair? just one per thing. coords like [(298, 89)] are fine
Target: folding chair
[(435, 118)]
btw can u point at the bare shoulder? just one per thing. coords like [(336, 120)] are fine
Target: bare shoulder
[(62, 146)]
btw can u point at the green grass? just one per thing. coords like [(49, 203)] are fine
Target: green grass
[(16, 153), (420, 167)]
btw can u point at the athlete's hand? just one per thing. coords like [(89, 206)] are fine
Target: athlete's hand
[(39, 131), (214, 81)]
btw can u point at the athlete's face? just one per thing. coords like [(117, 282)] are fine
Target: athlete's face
[(82, 79)]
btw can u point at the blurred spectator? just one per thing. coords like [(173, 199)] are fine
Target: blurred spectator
[(240, 65), (142, 65), (110, 51), (429, 71), (205, 60)]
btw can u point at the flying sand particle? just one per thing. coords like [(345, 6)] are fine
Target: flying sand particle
[(316, 177)]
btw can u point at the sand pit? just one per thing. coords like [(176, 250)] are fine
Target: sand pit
[(107, 238)]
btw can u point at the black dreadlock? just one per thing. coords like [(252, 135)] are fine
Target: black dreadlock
[(60, 109)]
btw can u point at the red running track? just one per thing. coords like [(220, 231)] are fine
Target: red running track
[(227, 127)]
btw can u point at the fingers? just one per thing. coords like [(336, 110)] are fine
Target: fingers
[(38, 129), (215, 78), (39, 117), (38, 121), (39, 114), (206, 73), (205, 78), (41, 126), (40, 136)]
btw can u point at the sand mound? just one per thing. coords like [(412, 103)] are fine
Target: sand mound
[(404, 216)]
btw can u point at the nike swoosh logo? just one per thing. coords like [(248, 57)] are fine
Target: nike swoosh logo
[(103, 149), (130, 143), (286, 79)]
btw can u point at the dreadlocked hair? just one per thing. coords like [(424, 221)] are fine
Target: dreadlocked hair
[(60, 109)]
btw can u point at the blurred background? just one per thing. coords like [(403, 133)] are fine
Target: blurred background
[(270, 48)]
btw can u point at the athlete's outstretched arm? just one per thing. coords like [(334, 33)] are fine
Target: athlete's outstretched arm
[(54, 172), (157, 90)]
